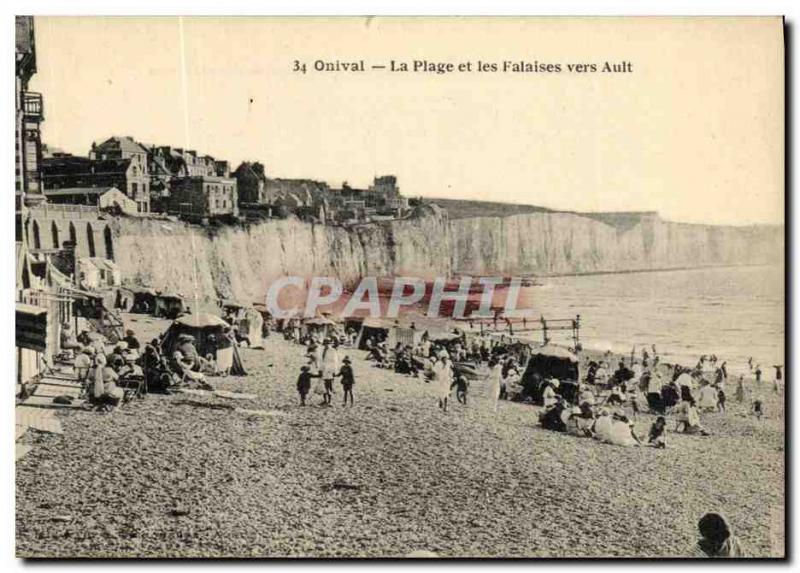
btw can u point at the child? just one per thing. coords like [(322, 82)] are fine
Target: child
[(635, 403), (348, 379), (328, 367), (304, 383), (740, 389), (658, 433), (758, 407), (721, 398), (460, 384)]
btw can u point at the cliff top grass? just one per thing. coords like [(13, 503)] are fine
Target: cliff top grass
[(465, 208)]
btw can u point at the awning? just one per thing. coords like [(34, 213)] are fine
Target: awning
[(201, 320)]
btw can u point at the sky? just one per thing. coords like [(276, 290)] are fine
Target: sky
[(693, 131)]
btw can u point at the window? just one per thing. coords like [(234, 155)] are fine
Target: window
[(134, 188)]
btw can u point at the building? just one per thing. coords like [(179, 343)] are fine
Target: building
[(29, 107), (201, 198), (167, 164), (389, 197), (303, 191), (42, 298), (130, 158), (251, 183), (73, 172), (96, 273)]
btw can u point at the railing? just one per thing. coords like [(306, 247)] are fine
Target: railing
[(64, 211), (32, 105)]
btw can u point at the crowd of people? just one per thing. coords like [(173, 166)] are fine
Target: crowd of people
[(113, 368), (671, 392), (106, 365)]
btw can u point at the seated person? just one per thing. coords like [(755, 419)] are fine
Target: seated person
[(689, 419), (131, 340), (584, 419), (617, 396), (602, 426), (670, 395), (184, 368), (551, 419), (622, 433), (82, 364), (104, 389), (586, 396), (68, 338), (190, 355), (708, 398), (658, 433), (579, 420), (116, 359), (549, 397)]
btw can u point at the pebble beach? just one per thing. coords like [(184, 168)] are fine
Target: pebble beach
[(188, 475)]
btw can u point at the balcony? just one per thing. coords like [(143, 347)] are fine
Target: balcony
[(32, 106)]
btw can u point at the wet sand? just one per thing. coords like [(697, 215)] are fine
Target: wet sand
[(190, 476)]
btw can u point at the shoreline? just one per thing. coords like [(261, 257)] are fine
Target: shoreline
[(655, 270)]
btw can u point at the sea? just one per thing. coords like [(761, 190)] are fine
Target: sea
[(732, 312)]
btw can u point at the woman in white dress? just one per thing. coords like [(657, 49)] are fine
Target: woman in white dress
[(443, 376), (495, 382)]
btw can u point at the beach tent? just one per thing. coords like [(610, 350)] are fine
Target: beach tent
[(547, 362), (262, 308), (207, 330), (319, 325), (168, 305), (143, 300), (375, 329)]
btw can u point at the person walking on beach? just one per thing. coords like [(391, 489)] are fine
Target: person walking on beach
[(495, 382), (721, 398), (740, 389), (776, 385), (758, 374), (460, 384), (348, 379), (329, 368), (757, 407), (443, 377)]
